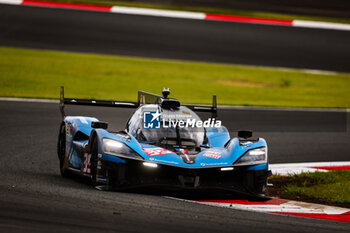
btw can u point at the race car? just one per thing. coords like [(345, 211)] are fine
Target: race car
[(165, 144)]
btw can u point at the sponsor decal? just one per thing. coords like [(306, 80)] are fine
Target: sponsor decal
[(69, 129), (243, 147), (151, 120), (212, 154), (213, 164), (157, 151), (154, 120), (191, 123), (125, 139), (163, 161), (87, 163)]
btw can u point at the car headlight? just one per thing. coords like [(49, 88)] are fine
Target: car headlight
[(117, 148), (252, 157)]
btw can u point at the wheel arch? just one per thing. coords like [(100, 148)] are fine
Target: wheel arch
[(92, 137)]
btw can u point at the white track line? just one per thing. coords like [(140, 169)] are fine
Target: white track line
[(288, 207), (158, 13), (11, 2), (319, 72), (321, 25), (297, 168)]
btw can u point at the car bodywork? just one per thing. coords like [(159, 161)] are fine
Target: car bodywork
[(202, 157)]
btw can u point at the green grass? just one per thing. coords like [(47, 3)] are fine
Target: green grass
[(40, 73), (208, 10), (326, 187)]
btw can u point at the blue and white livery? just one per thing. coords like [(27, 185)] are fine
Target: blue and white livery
[(164, 144)]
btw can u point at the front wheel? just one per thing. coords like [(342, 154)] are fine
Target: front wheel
[(95, 163), (101, 175)]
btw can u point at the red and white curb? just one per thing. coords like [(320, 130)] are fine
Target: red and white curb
[(182, 14), (285, 207), (297, 168)]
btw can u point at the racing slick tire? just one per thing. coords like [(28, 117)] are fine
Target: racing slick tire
[(98, 172), (94, 162), (101, 175), (61, 151)]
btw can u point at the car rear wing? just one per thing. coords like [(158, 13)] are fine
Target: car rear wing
[(143, 98), (102, 103)]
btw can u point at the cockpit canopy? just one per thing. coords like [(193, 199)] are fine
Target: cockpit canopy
[(167, 127)]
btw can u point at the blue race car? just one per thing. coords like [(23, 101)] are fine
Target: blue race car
[(164, 144)]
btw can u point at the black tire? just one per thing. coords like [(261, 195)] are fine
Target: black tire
[(61, 151), (262, 188), (101, 171), (94, 162)]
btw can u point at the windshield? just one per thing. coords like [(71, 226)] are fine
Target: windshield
[(177, 128), (175, 136)]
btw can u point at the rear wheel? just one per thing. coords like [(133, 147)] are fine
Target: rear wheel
[(61, 151)]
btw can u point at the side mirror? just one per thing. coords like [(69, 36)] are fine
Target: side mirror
[(99, 125), (245, 134)]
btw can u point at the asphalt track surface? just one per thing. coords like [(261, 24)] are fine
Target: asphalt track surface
[(209, 41), (34, 198)]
